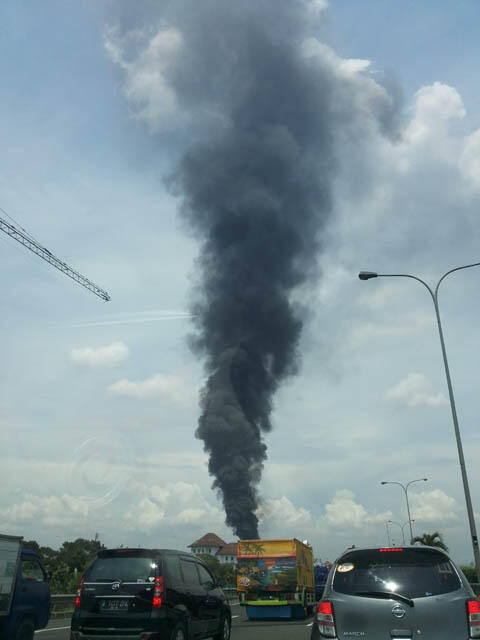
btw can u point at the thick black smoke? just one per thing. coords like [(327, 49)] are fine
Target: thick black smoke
[(256, 190), (257, 194)]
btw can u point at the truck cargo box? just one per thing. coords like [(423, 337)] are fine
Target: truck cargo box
[(10, 548), (275, 574)]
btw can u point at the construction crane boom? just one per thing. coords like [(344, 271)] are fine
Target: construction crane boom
[(46, 255)]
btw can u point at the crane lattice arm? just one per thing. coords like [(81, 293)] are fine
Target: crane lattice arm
[(45, 254)]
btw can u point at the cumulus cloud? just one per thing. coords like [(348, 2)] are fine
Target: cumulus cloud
[(284, 511), (415, 391), (171, 389), (145, 515), (435, 105), (49, 511), (175, 504), (317, 7), (145, 85), (110, 355), (433, 506), (344, 512), (470, 160)]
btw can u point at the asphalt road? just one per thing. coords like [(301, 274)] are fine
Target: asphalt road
[(242, 628)]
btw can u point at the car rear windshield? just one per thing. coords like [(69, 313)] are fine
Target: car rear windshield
[(414, 573), (127, 567)]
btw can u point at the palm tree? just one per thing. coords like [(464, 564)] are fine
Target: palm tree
[(431, 540)]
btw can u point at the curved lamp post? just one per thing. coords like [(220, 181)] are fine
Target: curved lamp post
[(405, 489), (388, 533), (402, 526), (367, 275)]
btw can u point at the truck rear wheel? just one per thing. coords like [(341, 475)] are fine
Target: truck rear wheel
[(25, 630)]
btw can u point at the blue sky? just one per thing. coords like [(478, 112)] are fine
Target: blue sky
[(83, 171)]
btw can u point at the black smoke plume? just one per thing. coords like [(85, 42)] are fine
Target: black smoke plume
[(256, 191), (257, 194)]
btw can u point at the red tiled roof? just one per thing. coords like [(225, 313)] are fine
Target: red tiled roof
[(229, 549), (208, 540)]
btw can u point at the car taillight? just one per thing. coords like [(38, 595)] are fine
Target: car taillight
[(158, 593), (78, 597), (325, 619), (473, 615)]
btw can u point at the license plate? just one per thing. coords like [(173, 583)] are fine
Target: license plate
[(114, 605)]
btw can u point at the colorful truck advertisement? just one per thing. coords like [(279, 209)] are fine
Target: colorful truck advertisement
[(275, 573)]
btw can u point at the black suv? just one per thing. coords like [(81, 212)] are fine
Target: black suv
[(145, 594)]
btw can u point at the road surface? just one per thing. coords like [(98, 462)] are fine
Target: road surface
[(242, 628)]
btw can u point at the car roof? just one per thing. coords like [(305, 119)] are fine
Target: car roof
[(400, 546), (405, 546)]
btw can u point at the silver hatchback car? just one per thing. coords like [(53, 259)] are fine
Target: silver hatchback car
[(397, 593)]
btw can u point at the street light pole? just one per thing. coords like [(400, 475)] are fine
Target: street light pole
[(367, 275), (388, 534), (402, 527), (399, 525), (405, 489)]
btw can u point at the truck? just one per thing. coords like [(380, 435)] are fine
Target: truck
[(25, 602), (320, 574), (275, 578)]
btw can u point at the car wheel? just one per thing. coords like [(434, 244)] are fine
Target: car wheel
[(25, 630), (179, 632), (224, 629)]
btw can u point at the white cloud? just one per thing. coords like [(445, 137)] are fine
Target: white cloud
[(144, 516), (415, 391), (433, 506), (101, 356), (176, 503), (169, 388), (284, 511), (344, 512), (470, 159), (317, 7), (435, 105), (145, 85), (49, 511)]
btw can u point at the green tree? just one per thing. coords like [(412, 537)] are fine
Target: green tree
[(470, 574), (32, 545), (79, 554), (49, 558), (434, 539), (226, 575), (211, 561)]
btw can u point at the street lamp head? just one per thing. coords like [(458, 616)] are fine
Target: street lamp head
[(366, 275)]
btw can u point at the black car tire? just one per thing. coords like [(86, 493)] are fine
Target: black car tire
[(224, 629), (25, 630), (179, 632)]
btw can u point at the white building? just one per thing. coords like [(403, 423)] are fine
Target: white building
[(211, 544)]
